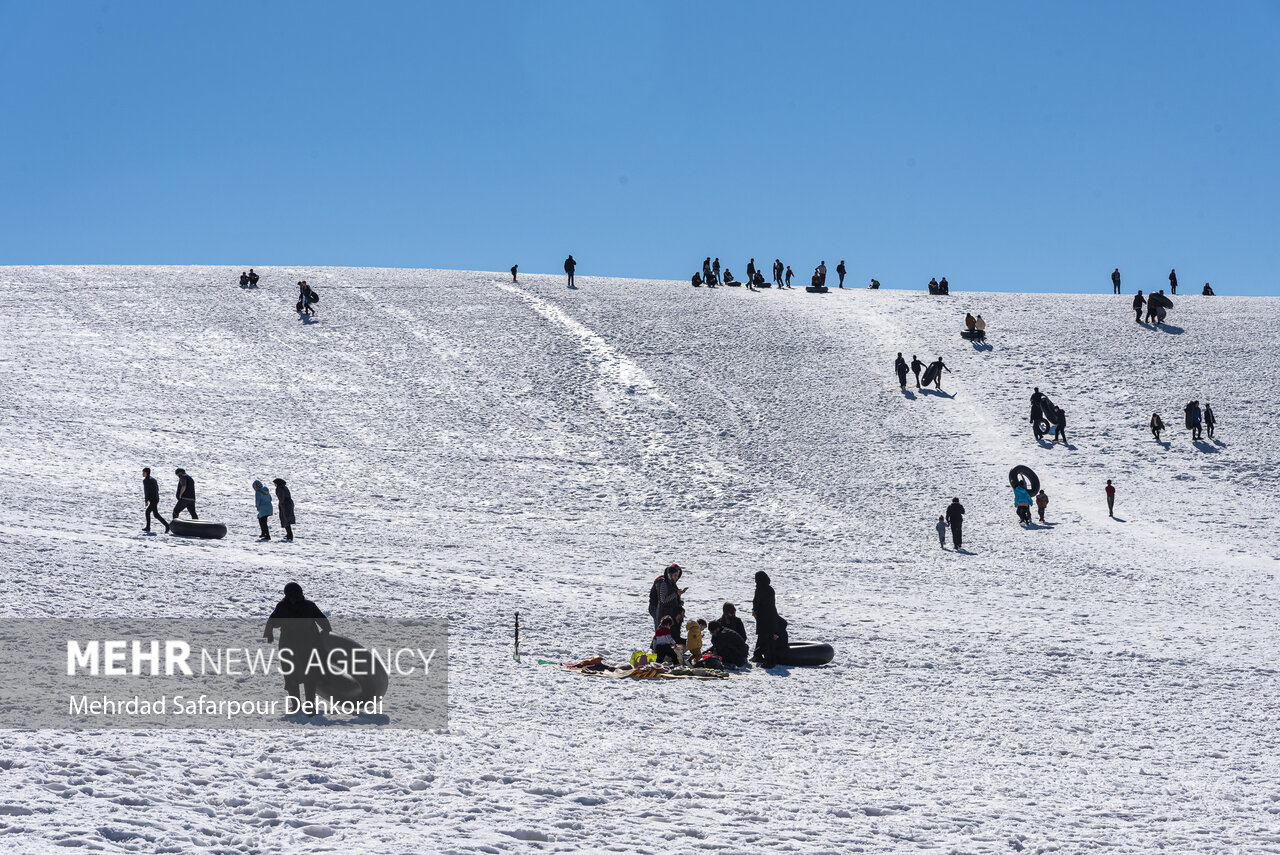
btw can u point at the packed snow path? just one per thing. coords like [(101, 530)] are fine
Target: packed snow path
[(465, 447)]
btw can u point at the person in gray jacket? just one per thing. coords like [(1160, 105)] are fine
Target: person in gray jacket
[(262, 500), (285, 501)]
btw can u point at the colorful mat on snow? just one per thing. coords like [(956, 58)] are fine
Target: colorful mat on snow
[(596, 667)]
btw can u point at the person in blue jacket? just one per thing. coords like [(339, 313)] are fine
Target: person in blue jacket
[(262, 499), (1022, 499)]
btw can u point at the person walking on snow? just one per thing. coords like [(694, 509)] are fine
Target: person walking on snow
[(1138, 303), (1022, 499), (822, 272), (1036, 416), (284, 500), (777, 272), (186, 494), (1193, 419), (1115, 281), (955, 519), (1042, 502), (569, 266), (151, 498), (1209, 420), (1059, 425), (937, 376), (764, 608), (1157, 425), (1173, 282), (514, 268), (262, 502), (1111, 499), (840, 272), (916, 367), (789, 275), (941, 528), (900, 366), (751, 270)]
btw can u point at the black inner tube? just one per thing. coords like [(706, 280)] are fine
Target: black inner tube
[(1024, 473)]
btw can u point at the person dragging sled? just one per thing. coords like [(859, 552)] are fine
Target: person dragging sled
[(284, 500), (262, 503), (916, 367), (186, 495), (900, 366), (1037, 417), (955, 519), (1022, 500), (302, 629), (151, 500), (1192, 411)]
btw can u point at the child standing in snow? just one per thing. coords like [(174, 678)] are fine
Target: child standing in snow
[(663, 644), (942, 531), (693, 638), (1042, 502)]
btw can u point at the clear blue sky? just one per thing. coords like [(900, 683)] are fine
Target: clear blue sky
[(1006, 146)]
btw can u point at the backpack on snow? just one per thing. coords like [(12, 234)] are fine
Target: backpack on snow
[(654, 595)]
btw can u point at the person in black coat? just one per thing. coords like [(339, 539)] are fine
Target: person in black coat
[(302, 629), (284, 501), (728, 644), (253, 278), (670, 595), (244, 279), (1173, 282), (1138, 303), (1036, 415), (1115, 281), (729, 618), (515, 268), (955, 519), (840, 272), (186, 494), (151, 496), (777, 272), (916, 367), (764, 609), (569, 266), (900, 366)]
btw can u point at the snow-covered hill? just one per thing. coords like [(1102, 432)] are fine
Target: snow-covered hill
[(463, 447)]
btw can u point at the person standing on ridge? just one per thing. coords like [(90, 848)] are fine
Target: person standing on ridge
[(1209, 420), (789, 275), (916, 367), (715, 270), (751, 270), (1111, 499), (706, 271), (1042, 502), (284, 500), (822, 273), (777, 272), (840, 272), (1173, 282), (1115, 281), (151, 496), (262, 504), (1138, 303), (253, 278), (900, 366), (514, 268), (955, 519), (186, 494), (569, 266)]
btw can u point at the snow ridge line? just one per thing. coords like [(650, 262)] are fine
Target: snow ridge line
[(615, 369)]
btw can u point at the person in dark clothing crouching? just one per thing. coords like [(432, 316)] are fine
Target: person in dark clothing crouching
[(728, 645), (302, 629)]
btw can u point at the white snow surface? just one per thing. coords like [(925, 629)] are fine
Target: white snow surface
[(465, 447)]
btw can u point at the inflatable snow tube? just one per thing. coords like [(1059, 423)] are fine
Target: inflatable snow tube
[(807, 654), (930, 373), (1024, 473), (973, 335), (1159, 313), (352, 674), (197, 528), (1160, 300), (817, 289)]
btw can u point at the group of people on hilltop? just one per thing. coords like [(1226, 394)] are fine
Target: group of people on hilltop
[(186, 501), (936, 287), (727, 647), (712, 275), (248, 280), (1206, 291)]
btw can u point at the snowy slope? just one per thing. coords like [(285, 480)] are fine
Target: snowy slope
[(463, 447)]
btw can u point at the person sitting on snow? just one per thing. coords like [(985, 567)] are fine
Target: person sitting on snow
[(664, 644)]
